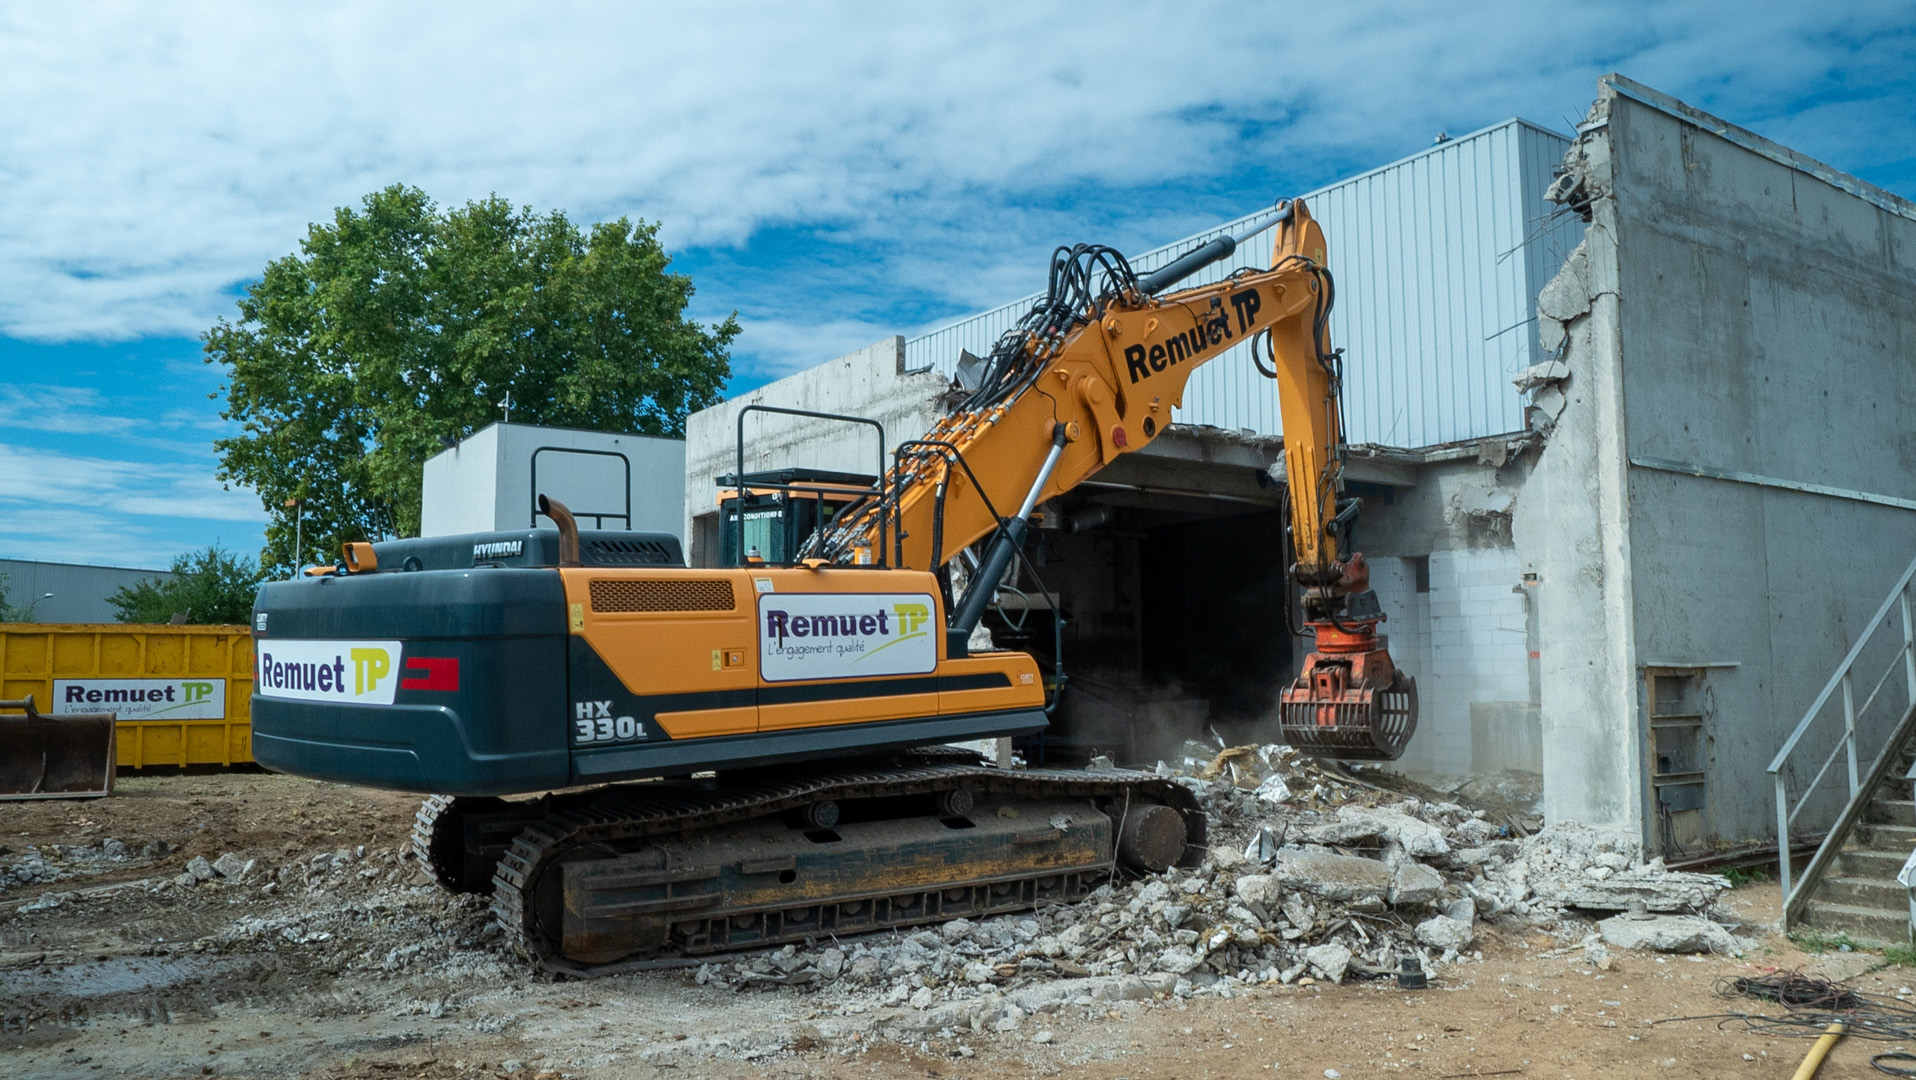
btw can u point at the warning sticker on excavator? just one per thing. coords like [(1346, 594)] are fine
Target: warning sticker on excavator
[(845, 635)]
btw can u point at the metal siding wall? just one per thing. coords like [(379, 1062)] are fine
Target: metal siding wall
[(1438, 260)]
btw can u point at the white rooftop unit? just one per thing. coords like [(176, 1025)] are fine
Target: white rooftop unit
[(492, 481), (1437, 258)]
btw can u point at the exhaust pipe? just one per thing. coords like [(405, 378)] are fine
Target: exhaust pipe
[(568, 530)]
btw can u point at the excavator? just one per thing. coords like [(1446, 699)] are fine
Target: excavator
[(642, 761)]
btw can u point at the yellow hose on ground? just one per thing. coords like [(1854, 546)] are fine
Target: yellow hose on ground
[(1814, 1059)]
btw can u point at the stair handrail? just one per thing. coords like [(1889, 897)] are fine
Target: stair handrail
[(1795, 894)]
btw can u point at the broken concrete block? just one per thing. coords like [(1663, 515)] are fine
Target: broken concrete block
[(1548, 373), (1178, 960), (1329, 961), (1257, 888), (200, 868), (1343, 878), (1670, 891), (229, 865), (1567, 296), (1298, 911), (1413, 883), (1666, 933), (1444, 932), (1464, 910)]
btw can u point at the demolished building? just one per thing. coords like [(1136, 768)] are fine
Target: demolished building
[(1632, 462)]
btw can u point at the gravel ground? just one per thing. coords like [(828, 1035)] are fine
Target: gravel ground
[(329, 957)]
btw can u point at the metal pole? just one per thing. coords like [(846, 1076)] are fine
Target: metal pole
[(1783, 843), (1849, 734)]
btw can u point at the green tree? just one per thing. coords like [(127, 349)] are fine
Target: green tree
[(8, 613), (397, 327), (207, 587)]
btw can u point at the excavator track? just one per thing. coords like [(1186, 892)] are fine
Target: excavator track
[(459, 840), (617, 878)]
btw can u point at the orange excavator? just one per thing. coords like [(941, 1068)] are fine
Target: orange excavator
[(637, 758)]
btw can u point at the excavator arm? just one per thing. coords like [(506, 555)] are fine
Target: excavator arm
[(1093, 372)]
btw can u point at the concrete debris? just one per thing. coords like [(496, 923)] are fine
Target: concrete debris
[(1667, 933), (1603, 870), (1444, 932), (1321, 872), (1329, 961), (47, 863), (1548, 373), (1346, 878), (1341, 878)]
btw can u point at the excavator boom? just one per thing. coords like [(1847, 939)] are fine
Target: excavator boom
[(1089, 376)]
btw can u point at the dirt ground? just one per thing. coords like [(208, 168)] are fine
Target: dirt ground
[(331, 961)]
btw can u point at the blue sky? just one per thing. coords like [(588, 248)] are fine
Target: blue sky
[(835, 174)]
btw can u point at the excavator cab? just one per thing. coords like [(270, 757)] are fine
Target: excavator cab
[(782, 508)]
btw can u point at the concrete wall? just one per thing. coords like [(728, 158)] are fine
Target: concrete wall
[(1773, 332), (1732, 307), (610, 481), (79, 592), (871, 382)]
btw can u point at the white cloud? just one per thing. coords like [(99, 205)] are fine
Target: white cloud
[(34, 481), (152, 156)]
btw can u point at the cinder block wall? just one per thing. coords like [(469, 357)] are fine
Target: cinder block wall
[(1467, 642)]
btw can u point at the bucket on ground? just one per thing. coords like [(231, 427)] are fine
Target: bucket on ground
[(54, 757)]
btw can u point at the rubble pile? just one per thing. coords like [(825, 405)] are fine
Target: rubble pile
[(354, 909), (1314, 874), (47, 863)]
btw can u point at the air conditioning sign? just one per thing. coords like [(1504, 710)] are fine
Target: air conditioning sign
[(351, 672), (143, 699), (845, 635)]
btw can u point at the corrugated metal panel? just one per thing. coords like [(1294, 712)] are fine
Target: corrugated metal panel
[(1438, 259)]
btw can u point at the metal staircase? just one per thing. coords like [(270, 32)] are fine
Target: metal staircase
[(1850, 885)]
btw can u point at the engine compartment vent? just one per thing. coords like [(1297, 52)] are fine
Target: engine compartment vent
[(694, 595), (621, 551)]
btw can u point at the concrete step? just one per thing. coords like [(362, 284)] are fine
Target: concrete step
[(1898, 838), (1863, 892), (1865, 925), (1868, 864), (1890, 811)]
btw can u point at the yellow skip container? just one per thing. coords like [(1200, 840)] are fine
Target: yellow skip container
[(183, 693)]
